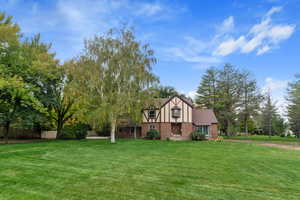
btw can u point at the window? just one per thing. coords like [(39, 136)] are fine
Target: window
[(151, 114), (152, 127), (176, 112), (204, 129)]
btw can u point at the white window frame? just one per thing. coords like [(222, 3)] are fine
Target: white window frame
[(201, 129)]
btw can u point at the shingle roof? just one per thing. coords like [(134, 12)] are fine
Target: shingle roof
[(204, 117)]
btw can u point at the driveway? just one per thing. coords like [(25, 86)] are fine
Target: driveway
[(286, 145)]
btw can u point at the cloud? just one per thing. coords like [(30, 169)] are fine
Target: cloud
[(229, 46), (149, 9), (193, 51), (273, 85), (227, 25), (192, 94), (76, 20), (261, 38), (277, 89)]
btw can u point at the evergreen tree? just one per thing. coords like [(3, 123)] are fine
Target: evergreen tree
[(207, 91), (250, 100), (294, 106), (271, 122), (166, 92)]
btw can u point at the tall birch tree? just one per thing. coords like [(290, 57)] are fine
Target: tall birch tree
[(113, 73)]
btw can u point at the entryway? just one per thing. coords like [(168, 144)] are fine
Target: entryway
[(176, 128)]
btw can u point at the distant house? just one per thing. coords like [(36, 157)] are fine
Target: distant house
[(177, 117), (174, 118)]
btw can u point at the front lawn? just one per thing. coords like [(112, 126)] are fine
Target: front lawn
[(265, 138), (144, 169)]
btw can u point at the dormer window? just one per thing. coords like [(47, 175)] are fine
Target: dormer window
[(176, 111), (151, 114)]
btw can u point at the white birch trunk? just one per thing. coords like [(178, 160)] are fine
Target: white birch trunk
[(112, 131)]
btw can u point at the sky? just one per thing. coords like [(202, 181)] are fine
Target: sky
[(261, 36)]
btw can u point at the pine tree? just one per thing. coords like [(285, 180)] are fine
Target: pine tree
[(294, 106), (269, 113), (250, 100), (207, 90)]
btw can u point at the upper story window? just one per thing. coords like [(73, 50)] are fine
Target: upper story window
[(151, 114), (176, 111)]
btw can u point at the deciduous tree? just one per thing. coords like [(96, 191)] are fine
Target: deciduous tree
[(112, 74)]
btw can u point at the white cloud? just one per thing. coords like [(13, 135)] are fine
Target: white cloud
[(229, 46), (261, 38), (227, 25), (76, 20), (194, 51), (192, 94), (149, 9), (273, 10), (277, 89), (273, 85)]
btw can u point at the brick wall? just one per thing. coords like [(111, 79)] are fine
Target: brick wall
[(186, 129), (165, 130), (214, 131)]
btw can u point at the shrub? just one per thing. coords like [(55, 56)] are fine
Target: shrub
[(81, 131), (198, 136), (74, 131), (282, 135), (153, 134)]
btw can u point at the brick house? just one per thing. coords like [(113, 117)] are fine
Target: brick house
[(177, 117)]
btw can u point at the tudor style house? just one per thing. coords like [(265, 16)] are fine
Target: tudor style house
[(177, 117)]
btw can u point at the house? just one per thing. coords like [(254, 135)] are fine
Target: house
[(177, 118), (174, 118)]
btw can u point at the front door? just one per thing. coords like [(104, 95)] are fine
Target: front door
[(176, 128)]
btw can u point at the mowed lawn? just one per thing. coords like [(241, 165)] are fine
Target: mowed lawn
[(143, 169)]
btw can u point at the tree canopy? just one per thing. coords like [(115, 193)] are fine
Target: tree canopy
[(113, 77)]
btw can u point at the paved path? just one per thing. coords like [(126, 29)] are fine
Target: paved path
[(287, 145), (96, 138)]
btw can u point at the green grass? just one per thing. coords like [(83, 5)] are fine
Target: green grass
[(264, 138), (142, 169)]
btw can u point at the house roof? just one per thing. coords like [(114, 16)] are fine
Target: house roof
[(161, 102), (188, 101), (204, 117)]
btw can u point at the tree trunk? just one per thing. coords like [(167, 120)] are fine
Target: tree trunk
[(134, 132), (112, 131), (246, 126), (228, 128), (59, 128), (270, 127), (6, 132)]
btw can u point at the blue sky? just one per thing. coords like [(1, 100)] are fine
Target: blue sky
[(261, 36)]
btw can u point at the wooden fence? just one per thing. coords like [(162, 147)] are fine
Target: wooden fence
[(20, 133)]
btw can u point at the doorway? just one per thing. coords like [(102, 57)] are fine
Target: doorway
[(176, 128)]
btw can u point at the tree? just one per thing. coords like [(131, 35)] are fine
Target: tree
[(61, 106), (269, 115), (166, 92), (294, 106), (26, 68), (229, 96), (15, 96), (207, 91), (112, 74), (250, 100)]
